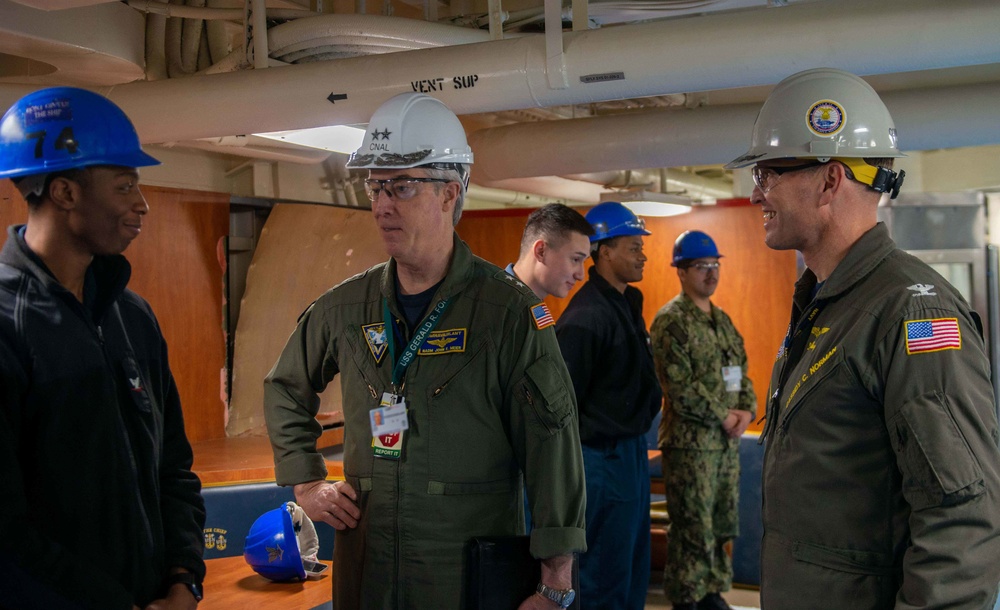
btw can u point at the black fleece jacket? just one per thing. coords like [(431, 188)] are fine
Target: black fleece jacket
[(605, 344), (97, 497)]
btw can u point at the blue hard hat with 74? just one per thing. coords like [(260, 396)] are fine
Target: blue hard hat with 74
[(62, 128)]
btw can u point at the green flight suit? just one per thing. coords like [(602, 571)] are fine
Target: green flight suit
[(700, 462), (881, 476), (488, 398)]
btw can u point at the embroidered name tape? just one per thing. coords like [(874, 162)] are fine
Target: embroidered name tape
[(443, 342)]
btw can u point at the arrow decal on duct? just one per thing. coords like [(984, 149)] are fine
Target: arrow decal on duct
[(333, 97)]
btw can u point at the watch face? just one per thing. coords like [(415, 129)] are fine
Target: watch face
[(570, 596)]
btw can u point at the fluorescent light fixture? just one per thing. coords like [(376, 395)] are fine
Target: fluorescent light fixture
[(648, 203), (335, 138)]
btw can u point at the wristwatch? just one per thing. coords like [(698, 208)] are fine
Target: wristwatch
[(188, 580), (563, 597)]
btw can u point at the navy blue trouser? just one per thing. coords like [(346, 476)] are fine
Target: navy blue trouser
[(614, 572)]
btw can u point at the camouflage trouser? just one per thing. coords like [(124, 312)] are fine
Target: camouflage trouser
[(702, 498)]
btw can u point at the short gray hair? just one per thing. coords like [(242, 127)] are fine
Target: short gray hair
[(460, 174)]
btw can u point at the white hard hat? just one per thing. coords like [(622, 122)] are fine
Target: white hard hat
[(821, 114), (409, 130)]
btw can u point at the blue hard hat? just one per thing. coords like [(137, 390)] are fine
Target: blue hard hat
[(694, 244), (63, 128), (271, 547), (612, 219)]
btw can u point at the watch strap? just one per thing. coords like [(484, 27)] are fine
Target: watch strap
[(189, 580), (562, 597)]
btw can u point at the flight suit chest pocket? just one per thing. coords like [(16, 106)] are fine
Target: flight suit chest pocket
[(462, 428), (369, 352), (818, 376), (546, 396)]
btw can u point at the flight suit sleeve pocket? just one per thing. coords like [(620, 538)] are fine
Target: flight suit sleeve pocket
[(542, 390), (843, 560), (937, 465)]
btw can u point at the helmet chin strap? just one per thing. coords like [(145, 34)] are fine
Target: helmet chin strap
[(305, 532), (881, 179)]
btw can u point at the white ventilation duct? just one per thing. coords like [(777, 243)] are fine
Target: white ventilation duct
[(89, 46), (925, 119), (693, 54), (337, 36)]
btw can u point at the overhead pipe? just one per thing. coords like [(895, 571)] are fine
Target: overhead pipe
[(191, 39), (694, 54), (241, 147), (517, 198), (926, 118), (555, 57), (255, 32), (210, 13), (675, 180), (364, 34)]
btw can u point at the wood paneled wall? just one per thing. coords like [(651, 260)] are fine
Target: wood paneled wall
[(176, 267), (755, 287), (304, 250)]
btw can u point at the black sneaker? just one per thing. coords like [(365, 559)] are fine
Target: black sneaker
[(685, 606), (713, 601)]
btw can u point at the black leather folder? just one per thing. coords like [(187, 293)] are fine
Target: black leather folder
[(501, 573)]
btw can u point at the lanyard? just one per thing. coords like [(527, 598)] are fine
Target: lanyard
[(410, 352)]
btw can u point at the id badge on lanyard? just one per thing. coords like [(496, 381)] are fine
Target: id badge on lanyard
[(389, 421)]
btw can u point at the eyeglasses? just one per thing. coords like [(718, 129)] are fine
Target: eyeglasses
[(705, 267), (766, 178), (400, 189)]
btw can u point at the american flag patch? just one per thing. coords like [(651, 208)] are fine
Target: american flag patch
[(932, 335), (542, 316)]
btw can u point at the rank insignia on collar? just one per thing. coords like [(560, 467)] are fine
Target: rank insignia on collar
[(922, 290), (375, 337), (443, 342), (542, 316)]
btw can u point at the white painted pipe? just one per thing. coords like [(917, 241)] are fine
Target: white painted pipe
[(693, 54), (191, 39), (377, 34), (516, 198), (924, 118), (676, 180), (209, 13), (257, 19), (238, 146)]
